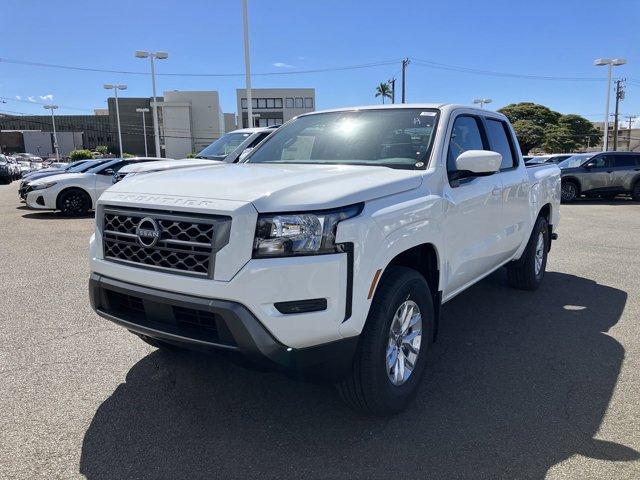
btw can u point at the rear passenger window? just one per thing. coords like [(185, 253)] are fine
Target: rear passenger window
[(624, 161), (499, 142), (464, 136)]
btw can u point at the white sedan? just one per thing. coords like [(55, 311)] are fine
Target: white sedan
[(76, 193)]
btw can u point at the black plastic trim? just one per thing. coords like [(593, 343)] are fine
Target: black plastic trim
[(250, 338), (348, 302), (301, 306)]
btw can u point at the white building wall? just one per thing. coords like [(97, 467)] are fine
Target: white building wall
[(191, 121)]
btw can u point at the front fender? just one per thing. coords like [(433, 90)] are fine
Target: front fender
[(386, 229)]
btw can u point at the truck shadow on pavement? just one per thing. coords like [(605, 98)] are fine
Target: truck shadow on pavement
[(520, 381)]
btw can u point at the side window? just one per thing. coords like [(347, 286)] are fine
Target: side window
[(465, 135), (623, 161), (258, 139), (601, 161), (499, 142)]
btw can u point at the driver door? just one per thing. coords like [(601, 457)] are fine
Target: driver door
[(473, 211)]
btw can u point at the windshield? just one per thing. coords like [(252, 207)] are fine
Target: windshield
[(397, 138), (575, 160), (85, 165), (224, 145)]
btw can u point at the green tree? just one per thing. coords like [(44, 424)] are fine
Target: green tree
[(582, 130), (127, 155), (538, 114), (80, 155), (383, 90), (558, 139), (530, 135), (102, 149)]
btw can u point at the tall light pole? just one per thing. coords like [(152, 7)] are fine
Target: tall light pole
[(152, 56), (482, 101), (53, 123), (115, 88), (247, 62), (144, 128), (600, 62)]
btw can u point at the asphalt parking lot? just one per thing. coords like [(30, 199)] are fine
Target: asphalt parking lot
[(541, 384)]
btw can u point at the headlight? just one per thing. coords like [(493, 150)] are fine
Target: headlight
[(42, 186), (290, 234)]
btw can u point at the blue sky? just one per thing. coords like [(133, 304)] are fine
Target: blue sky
[(558, 38)]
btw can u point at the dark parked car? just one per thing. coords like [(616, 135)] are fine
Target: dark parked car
[(557, 158), (604, 174)]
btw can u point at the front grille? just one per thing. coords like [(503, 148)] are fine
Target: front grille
[(186, 243), (126, 305)]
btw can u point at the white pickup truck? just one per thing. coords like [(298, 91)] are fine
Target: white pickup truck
[(332, 247)]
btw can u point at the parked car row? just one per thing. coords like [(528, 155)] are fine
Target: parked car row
[(74, 188), (9, 169)]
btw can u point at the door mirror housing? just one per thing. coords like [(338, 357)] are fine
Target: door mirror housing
[(244, 153), (108, 171), (476, 163)]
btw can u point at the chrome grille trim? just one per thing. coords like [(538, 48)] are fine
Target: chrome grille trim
[(187, 244)]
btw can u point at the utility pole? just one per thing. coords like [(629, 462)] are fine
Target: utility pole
[(392, 82), (405, 62), (619, 96), (631, 118), (247, 64)]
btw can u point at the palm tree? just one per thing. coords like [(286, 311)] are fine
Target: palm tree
[(383, 90)]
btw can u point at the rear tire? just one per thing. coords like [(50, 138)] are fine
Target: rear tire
[(386, 369), (74, 202), (569, 191), (635, 192), (527, 273)]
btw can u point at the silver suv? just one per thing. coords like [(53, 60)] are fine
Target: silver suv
[(605, 174)]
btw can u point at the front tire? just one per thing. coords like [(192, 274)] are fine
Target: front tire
[(635, 192), (74, 203), (392, 353), (569, 191), (527, 273)]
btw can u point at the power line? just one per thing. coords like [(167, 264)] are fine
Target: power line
[(187, 74), (455, 68)]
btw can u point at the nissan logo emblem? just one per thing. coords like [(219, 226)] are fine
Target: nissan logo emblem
[(148, 232)]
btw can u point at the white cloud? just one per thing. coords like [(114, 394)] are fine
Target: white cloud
[(48, 96), (18, 97), (283, 65), (31, 99)]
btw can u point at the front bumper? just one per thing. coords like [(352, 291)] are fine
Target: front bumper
[(211, 324), (43, 199)]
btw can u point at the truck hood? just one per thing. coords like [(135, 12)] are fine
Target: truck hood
[(277, 187), (166, 165)]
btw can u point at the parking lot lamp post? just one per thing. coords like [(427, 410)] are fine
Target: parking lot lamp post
[(144, 128), (115, 88), (600, 62), (154, 106), (482, 101), (53, 123)]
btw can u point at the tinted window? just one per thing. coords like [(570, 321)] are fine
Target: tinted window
[(258, 139), (624, 161), (464, 136), (224, 145), (601, 161), (499, 142)]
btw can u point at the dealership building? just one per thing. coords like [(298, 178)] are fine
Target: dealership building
[(188, 121)]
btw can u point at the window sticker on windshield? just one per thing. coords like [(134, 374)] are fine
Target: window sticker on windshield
[(427, 114)]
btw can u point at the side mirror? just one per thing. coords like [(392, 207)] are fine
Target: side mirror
[(590, 165), (478, 162), (108, 171), (244, 153)]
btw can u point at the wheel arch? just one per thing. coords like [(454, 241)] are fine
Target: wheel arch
[(574, 180), (425, 259), (71, 188)]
